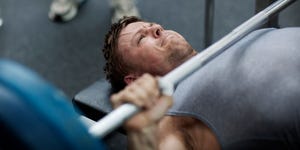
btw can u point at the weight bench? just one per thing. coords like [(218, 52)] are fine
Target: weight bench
[(93, 103)]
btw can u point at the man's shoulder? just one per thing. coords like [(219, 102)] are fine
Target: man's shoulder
[(278, 33)]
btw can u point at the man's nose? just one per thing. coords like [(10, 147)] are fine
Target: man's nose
[(156, 30)]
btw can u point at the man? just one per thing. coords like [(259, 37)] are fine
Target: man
[(246, 98)]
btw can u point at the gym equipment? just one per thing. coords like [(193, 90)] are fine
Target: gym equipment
[(93, 101), (35, 115), (1, 19), (209, 22), (118, 116)]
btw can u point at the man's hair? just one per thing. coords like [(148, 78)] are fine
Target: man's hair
[(115, 68)]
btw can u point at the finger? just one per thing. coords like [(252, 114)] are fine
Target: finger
[(130, 94), (125, 97), (145, 90), (156, 113), (142, 94), (151, 116), (150, 87), (115, 100)]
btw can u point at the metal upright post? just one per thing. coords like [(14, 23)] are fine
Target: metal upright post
[(209, 22)]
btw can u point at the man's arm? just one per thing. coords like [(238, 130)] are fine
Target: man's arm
[(149, 129), (142, 129)]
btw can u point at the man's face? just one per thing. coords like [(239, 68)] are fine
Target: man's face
[(147, 47)]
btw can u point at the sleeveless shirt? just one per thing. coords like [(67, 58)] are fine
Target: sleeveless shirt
[(249, 96)]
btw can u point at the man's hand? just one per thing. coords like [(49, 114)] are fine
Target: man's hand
[(142, 128), (144, 93)]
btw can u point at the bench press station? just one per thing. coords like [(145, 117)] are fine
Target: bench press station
[(45, 113)]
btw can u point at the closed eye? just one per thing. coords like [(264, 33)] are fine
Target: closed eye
[(140, 38)]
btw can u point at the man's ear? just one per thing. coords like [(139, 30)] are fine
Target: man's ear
[(130, 78)]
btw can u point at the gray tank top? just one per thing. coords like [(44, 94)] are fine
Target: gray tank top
[(249, 95)]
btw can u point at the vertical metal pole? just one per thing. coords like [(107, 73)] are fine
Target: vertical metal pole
[(1, 11), (208, 22)]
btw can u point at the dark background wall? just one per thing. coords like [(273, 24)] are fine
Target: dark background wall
[(69, 55)]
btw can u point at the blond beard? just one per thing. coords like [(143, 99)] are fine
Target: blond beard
[(180, 56)]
